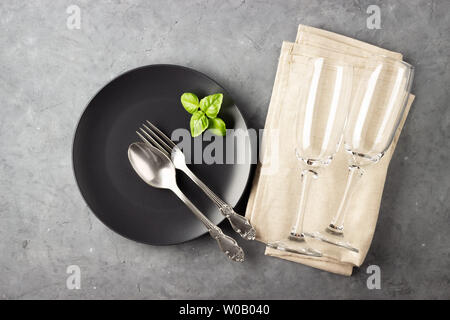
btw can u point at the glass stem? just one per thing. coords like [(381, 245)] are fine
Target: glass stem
[(297, 228), (354, 175)]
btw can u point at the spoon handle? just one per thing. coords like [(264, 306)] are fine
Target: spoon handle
[(227, 244), (239, 223)]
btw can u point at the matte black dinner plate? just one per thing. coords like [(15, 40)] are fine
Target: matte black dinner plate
[(108, 183)]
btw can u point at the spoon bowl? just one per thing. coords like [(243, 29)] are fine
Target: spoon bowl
[(154, 167)]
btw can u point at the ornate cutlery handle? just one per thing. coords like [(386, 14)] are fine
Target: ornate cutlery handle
[(239, 223), (228, 245)]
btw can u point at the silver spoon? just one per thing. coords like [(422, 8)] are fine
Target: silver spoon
[(157, 170)]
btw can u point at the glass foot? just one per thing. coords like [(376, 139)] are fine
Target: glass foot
[(304, 251), (338, 243)]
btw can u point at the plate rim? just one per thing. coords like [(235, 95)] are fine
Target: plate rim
[(250, 169)]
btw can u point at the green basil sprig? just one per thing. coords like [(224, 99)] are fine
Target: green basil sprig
[(204, 113)]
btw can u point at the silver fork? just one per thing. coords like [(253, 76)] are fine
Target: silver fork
[(152, 135)]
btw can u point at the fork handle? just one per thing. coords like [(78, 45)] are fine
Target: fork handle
[(227, 244), (239, 223)]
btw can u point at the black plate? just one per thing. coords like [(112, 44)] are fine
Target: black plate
[(114, 192)]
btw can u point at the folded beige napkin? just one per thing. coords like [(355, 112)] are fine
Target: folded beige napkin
[(275, 193)]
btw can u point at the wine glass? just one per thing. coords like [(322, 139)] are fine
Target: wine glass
[(323, 106), (377, 108)]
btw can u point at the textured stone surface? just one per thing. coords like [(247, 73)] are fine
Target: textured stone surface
[(48, 73)]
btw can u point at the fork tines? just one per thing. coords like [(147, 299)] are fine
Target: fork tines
[(151, 135)]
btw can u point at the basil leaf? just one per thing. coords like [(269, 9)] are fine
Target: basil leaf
[(189, 102), (217, 127), (199, 123), (211, 104)]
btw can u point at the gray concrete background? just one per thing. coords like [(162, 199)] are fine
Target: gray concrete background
[(48, 73)]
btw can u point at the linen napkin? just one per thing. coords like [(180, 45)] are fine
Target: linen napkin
[(275, 193)]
